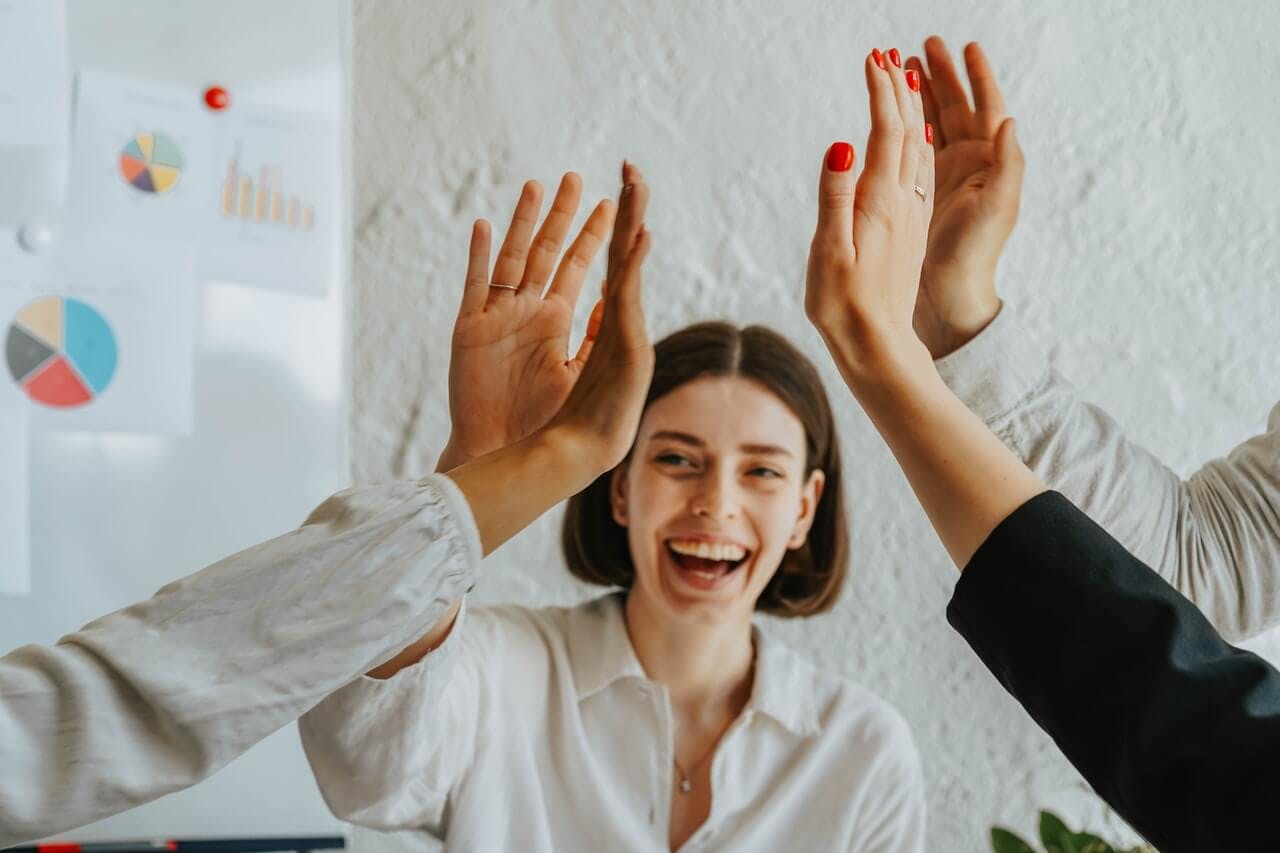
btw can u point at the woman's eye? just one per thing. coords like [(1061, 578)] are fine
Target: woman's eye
[(768, 473), (671, 459)]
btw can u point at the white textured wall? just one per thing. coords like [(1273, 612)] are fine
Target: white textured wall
[(1146, 259)]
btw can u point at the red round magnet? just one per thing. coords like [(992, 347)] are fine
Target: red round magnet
[(216, 98)]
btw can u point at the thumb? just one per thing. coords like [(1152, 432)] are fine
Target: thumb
[(593, 331), (1009, 165), (835, 196)]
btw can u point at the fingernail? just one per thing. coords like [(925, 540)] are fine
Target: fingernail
[(895, 57), (878, 57), (913, 80), (840, 157), (928, 133)]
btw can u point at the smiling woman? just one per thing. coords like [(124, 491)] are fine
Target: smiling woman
[(732, 415), (656, 715)]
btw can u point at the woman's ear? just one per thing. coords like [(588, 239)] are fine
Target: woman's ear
[(618, 494), (810, 495)]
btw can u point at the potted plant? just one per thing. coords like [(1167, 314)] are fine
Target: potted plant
[(1056, 838)]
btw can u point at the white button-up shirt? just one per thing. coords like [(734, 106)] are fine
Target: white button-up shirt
[(538, 730), (156, 697)]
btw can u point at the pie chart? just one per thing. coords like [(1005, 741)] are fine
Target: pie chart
[(151, 162), (61, 352)]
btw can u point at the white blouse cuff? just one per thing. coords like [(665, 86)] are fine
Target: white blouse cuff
[(998, 370)]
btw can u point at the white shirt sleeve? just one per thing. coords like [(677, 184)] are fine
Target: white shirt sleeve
[(386, 753), (390, 753), (1214, 536), (156, 697)]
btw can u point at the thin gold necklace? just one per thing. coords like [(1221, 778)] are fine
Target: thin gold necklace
[(686, 784)]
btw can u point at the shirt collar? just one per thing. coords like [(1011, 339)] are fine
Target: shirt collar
[(601, 653), (599, 648), (785, 688)]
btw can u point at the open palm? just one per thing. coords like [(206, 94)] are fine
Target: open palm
[(979, 181), (966, 216), (510, 369)]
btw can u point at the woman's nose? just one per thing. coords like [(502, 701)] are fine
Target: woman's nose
[(714, 499)]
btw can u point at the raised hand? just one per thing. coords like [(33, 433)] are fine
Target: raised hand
[(979, 181), (865, 259), (864, 274), (603, 410), (592, 431), (510, 368)]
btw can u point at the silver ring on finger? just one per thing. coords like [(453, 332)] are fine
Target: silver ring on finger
[(512, 287), (919, 190)]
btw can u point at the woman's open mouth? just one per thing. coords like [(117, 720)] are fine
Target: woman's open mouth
[(705, 565)]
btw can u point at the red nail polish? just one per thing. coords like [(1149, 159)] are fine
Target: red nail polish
[(928, 133), (840, 157), (913, 80), (895, 57), (878, 57)]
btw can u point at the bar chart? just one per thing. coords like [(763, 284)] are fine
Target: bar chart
[(263, 198)]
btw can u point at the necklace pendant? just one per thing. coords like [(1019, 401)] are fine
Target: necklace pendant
[(685, 786)]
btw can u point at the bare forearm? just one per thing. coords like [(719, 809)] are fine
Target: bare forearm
[(506, 490), (954, 306), (509, 488), (964, 477)]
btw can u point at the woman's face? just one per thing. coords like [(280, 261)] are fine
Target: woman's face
[(712, 496)]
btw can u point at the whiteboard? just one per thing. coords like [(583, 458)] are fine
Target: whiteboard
[(114, 517)]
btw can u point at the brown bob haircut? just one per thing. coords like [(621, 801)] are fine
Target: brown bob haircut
[(810, 577)]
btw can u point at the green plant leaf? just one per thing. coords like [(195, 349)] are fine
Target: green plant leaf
[(1054, 834), (1086, 843), (1004, 841)]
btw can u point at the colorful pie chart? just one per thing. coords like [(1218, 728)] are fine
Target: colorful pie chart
[(61, 351), (151, 162)]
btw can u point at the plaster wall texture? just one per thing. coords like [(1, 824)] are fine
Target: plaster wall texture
[(1145, 260)]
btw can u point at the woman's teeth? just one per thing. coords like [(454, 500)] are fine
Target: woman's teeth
[(709, 551), (705, 563)]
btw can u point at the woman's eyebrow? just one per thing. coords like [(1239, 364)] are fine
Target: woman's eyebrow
[(765, 449), (672, 435), (686, 438)]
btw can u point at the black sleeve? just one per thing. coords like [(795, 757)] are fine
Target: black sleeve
[(1175, 728)]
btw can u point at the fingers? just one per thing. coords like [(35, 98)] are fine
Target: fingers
[(928, 102), (987, 101), (628, 230), (629, 290), (515, 247), (593, 332), (476, 288), (906, 92), (546, 245), (884, 145), (954, 114), (925, 180), (835, 198), (573, 268), (1007, 182)]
